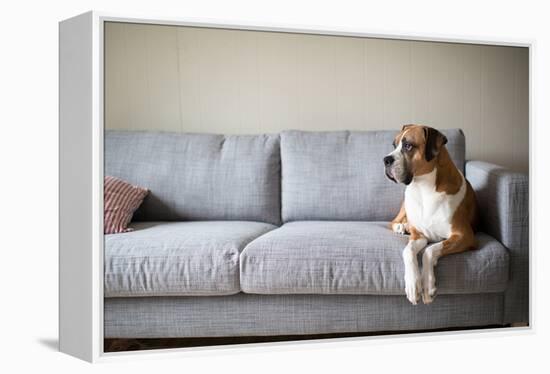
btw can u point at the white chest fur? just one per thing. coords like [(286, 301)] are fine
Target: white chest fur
[(429, 211)]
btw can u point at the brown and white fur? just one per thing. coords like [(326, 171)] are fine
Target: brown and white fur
[(439, 206)]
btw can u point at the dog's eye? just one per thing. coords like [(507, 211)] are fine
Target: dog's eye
[(407, 146), (394, 146)]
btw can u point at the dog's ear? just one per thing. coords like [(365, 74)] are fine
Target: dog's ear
[(434, 141)]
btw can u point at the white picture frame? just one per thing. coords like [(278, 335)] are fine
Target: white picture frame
[(81, 171)]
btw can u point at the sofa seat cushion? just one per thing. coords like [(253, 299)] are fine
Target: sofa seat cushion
[(177, 258), (324, 257)]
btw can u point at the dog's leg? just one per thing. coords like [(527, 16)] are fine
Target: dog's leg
[(399, 224), (455, 244), (429, 260), (413, 284)]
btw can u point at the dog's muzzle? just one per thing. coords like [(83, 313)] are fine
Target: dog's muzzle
[(388, 162)]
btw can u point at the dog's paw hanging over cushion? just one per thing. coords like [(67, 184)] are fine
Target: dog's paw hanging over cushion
[(121, 199)]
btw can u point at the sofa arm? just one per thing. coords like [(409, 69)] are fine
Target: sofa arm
[(503, 198)]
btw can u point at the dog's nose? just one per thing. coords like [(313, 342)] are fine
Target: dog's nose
[(388, 160)]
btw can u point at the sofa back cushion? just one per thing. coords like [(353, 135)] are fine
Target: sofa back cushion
[(199, 176), (340, 175)]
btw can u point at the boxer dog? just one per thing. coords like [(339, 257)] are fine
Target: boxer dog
[(439, 206)]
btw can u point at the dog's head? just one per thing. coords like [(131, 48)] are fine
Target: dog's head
[(416, 150)]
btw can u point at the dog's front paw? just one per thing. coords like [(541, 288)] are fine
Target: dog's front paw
[(413, 288), (429, 294), (429, 291), (399, 228)]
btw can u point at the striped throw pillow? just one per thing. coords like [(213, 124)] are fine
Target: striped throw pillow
[(121, 200)]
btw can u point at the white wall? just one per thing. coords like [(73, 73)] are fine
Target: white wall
[(229, 81)]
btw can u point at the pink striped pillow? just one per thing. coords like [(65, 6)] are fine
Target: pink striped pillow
[(121, 200)]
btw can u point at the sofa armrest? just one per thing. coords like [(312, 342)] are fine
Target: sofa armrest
[(503, 198)]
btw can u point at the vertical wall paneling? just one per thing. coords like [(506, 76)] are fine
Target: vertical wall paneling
[(278, 81), (349, 74), (521, 133), (374, 71), (446, 85), (162, 67), (471, 93), (191, 79), (498, 108), (317, 82), (397, 83), (421, 72)]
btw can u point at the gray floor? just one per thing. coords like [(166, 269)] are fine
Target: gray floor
[(121, 345)]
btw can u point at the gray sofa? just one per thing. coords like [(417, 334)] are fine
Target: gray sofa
[(287, 234)]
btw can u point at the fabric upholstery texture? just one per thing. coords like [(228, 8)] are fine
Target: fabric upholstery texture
[(199, 176), (263, 315), (177, 258), (121, 200), (209, 227), (326, 257), (503, 197), (340, 175)]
